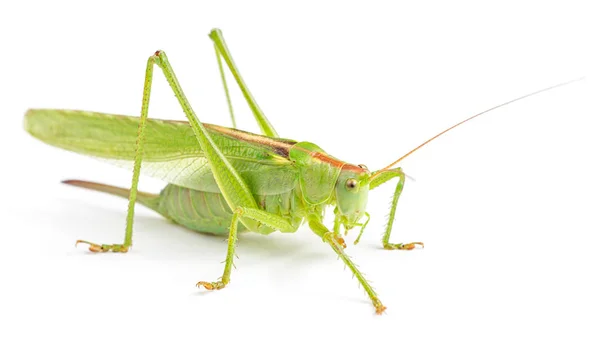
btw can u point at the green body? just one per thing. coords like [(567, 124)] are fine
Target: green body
[(222, 180), (208, 212), (193, 198)]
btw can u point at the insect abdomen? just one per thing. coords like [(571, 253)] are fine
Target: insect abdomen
[(196, 210), (209, 213)]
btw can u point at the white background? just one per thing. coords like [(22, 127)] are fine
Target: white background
[(507, 205)]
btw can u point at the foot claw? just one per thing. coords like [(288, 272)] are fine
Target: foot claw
[(211, 285), (379, 309), (96, 248), (403, 246)]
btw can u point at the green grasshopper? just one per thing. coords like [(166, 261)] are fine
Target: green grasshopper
[(223, 180)]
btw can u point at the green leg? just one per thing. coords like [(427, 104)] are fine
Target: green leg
[(224, 280), (223, 52), (362, 229), (266, 218), (382, 178), (327, 236), (337, 223), (234, 189), (137, 164), (224, 81)]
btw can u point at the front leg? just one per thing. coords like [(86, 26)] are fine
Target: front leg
[(380, 178), (329, 237), (336, 231)]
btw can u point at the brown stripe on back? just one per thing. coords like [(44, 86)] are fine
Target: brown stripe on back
[(324, 157), (337, 163), (279, 146)]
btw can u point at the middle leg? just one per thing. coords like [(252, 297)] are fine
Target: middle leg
[(271, 220)]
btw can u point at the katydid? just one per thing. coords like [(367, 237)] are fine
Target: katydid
[(222, 180)]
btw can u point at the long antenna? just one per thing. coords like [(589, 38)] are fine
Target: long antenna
[(472, 117)]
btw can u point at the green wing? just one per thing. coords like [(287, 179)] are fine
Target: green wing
[(171, 151)]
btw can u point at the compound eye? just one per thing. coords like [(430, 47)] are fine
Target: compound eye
[(351, 184)]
